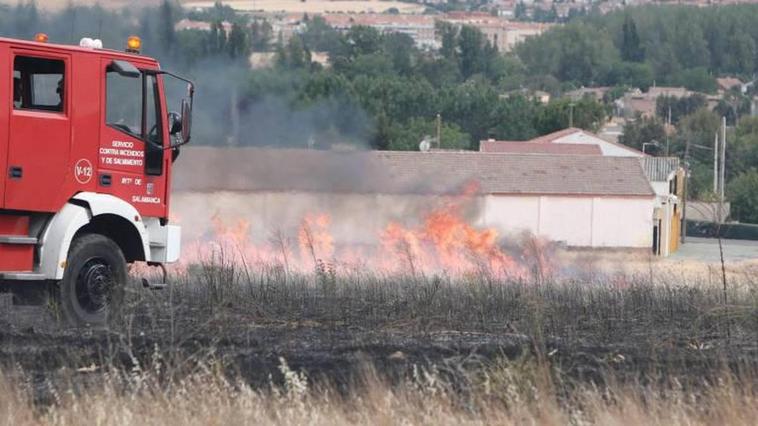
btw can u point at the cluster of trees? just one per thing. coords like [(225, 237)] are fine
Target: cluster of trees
[(401, 89), (668, 45)]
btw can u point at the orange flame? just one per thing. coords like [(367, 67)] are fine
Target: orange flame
[(443, 242)]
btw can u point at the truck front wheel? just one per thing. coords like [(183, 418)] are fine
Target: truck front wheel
[(92, 289)]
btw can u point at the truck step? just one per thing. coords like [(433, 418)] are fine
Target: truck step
[(17, 239), (21, 276), (16, 246), (152, 285)]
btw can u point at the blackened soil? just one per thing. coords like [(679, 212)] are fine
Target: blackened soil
[(337, 353)]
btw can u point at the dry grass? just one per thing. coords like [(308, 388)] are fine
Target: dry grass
[(610, 349), (504, 393)]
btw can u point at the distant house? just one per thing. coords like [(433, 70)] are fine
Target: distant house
[(420, 28), (571, 137), (502, 33), (596, 93), (186, 24), (644, 103), (513, 147), (726, 84), (664, 174)]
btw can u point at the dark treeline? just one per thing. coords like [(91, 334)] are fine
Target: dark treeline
[(668, 45)]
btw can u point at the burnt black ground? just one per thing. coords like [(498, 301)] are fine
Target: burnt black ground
[(333, 335)]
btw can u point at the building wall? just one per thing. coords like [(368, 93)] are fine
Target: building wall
[(619, 222), (577, 221), (361, 218), (567, 219)]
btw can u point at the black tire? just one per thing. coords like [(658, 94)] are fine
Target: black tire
[(92, 290)]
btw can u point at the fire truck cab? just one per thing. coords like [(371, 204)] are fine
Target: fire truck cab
[(87, 144)]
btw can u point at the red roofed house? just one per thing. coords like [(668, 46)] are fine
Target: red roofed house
[(664, 174), (566, 141)]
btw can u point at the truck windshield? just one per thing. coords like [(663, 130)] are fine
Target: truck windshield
[(124, 107), (124, 103)]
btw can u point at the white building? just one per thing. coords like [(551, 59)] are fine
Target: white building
[(664, 174), (579, 200), (420, 28)]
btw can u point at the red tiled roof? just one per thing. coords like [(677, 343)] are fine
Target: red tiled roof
[(551, 137), (727, 83), (539, 148), (282, 170)]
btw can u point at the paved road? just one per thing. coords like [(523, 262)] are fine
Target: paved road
[(707, 250)]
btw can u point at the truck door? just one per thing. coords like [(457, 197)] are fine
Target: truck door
[(132, 138), (39, 130)]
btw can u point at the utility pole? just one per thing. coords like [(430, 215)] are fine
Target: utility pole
[(667, 132), (439, 131), (571, 114), (716, 164), (723, 169), (685, 189)]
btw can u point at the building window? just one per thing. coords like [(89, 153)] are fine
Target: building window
[(39, 84)]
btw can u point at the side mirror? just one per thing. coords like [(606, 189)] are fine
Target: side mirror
[(174, 123), (186, 123)]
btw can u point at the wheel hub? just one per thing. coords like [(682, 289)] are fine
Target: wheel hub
[(94, 285)]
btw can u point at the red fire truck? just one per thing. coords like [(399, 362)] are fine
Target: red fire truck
[(86, 151)]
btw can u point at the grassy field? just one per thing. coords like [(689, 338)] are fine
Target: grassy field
[(258, 343)]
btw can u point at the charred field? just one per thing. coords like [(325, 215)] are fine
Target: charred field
[(260, 327)]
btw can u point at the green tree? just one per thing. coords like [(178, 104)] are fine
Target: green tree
[(743, 194), (320, 37), (448, 34), (261, 34), (167, 21), (586, 113), (742, 147), (520, 12), (631, 50), (471, 105), (678, 107), (217, 37), (473, 52), (644, 130), (238, 45), (739, 57), (294, 55), (407, 136), (697, 79), (399, 48), (515, 118)]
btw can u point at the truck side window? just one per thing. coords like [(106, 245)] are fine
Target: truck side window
[(123, 109), (154, 136), (39, 84)]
